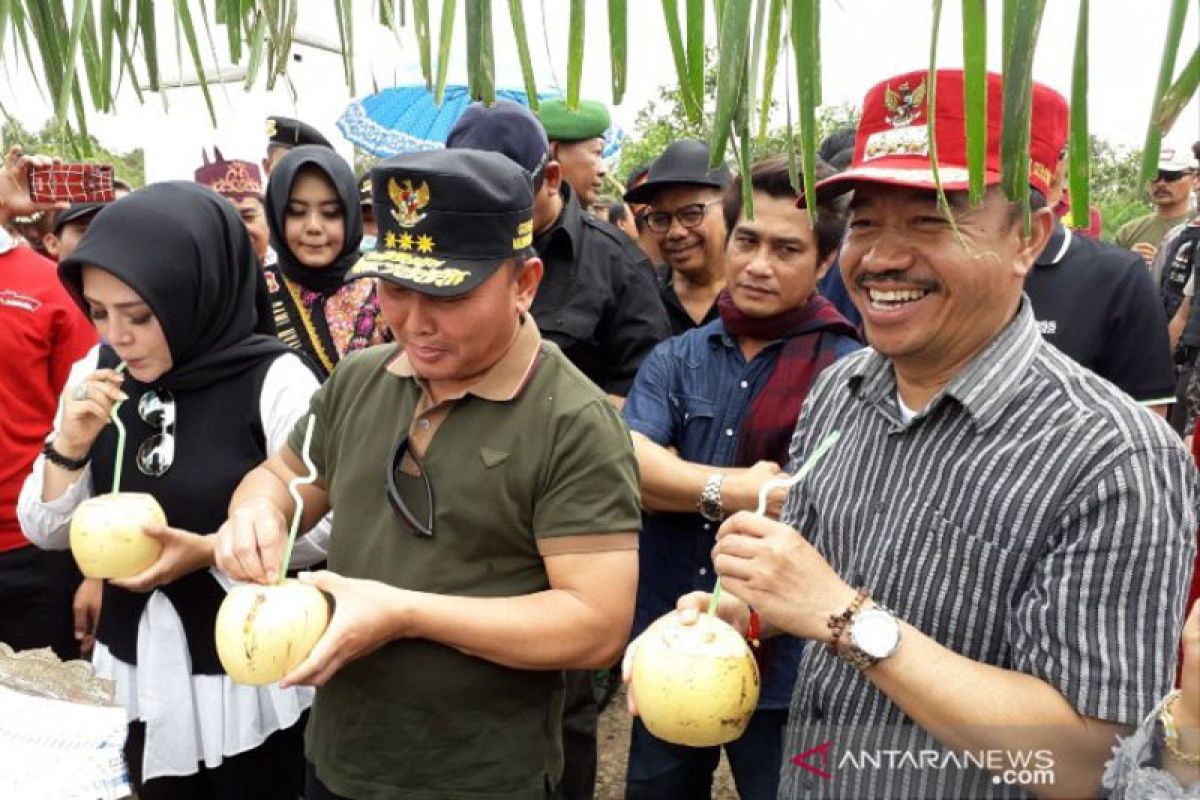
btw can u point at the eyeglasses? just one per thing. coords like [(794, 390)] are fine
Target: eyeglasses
[(157, 453), (1170, 176), (688, 216), (419, 529)]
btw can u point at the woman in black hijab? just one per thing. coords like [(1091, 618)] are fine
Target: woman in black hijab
[(316, 226), (169, 278)]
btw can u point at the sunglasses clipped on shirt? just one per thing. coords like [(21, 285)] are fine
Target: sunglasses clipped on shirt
[(156, 455), (688, 216), (421, 525)]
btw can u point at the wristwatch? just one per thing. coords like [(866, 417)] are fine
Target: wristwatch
[(871, 636), (710, 498)]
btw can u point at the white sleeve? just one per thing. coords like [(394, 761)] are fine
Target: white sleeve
[(1189, 288), (46, 524), (287, 389)]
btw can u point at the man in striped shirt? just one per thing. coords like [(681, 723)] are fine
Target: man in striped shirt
[(998, 545)]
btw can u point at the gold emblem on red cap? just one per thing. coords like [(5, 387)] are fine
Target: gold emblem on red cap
[(905, 103), (408, 202)]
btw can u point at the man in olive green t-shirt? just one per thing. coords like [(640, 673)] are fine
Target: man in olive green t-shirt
[(485, 505), (1170, 193)]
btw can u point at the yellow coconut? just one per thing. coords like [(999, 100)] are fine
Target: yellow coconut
[(106, 534), (263, 632), (695, 685)]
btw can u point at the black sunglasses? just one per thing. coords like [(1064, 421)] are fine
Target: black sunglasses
[(157, 453), (688, 216), (1170, 176), (419, 529)]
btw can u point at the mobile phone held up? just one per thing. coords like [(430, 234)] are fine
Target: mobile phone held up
[(71, 183)]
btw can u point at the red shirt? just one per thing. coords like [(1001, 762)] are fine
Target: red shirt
[(42, 333)]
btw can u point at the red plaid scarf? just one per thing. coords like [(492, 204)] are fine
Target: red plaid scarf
[(811, 330)]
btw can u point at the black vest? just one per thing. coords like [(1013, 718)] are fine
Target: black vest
[(1179, 266), (218, 439)]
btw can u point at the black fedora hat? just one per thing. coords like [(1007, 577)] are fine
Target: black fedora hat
[(683, 163)]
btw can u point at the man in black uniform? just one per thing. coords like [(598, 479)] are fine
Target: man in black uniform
[(597, 300), (1097, 302)]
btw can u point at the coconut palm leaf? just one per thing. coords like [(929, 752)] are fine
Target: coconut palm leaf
[(1078, 145), (445, 36), (516, 13), (1180, 94), (618, 26), (481, 64), (974, 18), (731, 74), (691, 102), (1165, 71), (804, 19), (1018, 103), (575, 52)]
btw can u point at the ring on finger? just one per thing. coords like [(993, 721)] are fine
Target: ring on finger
[(81, 391)]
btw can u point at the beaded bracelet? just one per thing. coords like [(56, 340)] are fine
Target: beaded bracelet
[(837, 622)]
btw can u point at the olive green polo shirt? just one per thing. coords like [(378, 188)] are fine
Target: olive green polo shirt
[(531, 460)]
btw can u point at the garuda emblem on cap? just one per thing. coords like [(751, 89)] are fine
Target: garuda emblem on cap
[(904, 103), (407, 202)]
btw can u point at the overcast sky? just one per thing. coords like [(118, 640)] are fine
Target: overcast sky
[(863, 41)]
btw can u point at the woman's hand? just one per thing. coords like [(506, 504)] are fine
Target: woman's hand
[(87, 407), (183, 553), (1187, 708)]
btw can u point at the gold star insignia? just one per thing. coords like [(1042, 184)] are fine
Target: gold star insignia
[(425, 243), (406, 241), (390, 241)]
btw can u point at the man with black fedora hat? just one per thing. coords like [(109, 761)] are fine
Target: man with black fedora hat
[(486, 507), (684, 195)]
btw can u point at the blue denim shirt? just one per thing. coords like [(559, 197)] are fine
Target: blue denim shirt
[(691, 393)]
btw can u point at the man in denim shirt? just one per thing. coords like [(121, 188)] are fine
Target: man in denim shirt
[(712, 413)]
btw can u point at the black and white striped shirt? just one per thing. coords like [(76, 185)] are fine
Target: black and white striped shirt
[(1032, 517)]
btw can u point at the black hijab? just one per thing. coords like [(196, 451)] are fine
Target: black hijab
[(329, 279), (185, 251)]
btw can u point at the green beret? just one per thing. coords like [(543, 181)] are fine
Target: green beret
[(564, 125)]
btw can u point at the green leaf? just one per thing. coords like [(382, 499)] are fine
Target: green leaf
[(731, 73), (516, 13), (974, 14), (691, 103), (188, 28), (1166, 69), (1078, 145), (804, 19), (445, 36), (1180, 94), (575, 52), (480, 61), (345, 24), (774, 33), (695, 47), (931, 87), (5, 15), (1018, 103), (257, 38), (618, 25), (425, 39), (1008, 21), (149, 35), (68, 58)]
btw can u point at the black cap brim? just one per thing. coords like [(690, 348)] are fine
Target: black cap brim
[(429, 276), (75, 213)]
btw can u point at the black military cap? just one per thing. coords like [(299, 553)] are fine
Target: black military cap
[(447, 219), (76, 212), (289, 133)]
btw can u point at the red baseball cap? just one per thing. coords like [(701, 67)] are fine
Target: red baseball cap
[(892, 142)]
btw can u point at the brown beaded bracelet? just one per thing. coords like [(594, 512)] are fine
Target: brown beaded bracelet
[(837, 622)]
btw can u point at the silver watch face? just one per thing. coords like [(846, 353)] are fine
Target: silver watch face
[(875, 632)]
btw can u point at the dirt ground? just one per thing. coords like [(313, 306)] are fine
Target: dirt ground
[(613, 743)]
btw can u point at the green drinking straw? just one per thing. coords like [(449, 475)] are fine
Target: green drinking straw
[(824, 447), (116, 484), (294, 490)]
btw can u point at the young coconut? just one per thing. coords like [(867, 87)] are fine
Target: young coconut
[(264, 632), (106, 534), (695, 685)]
